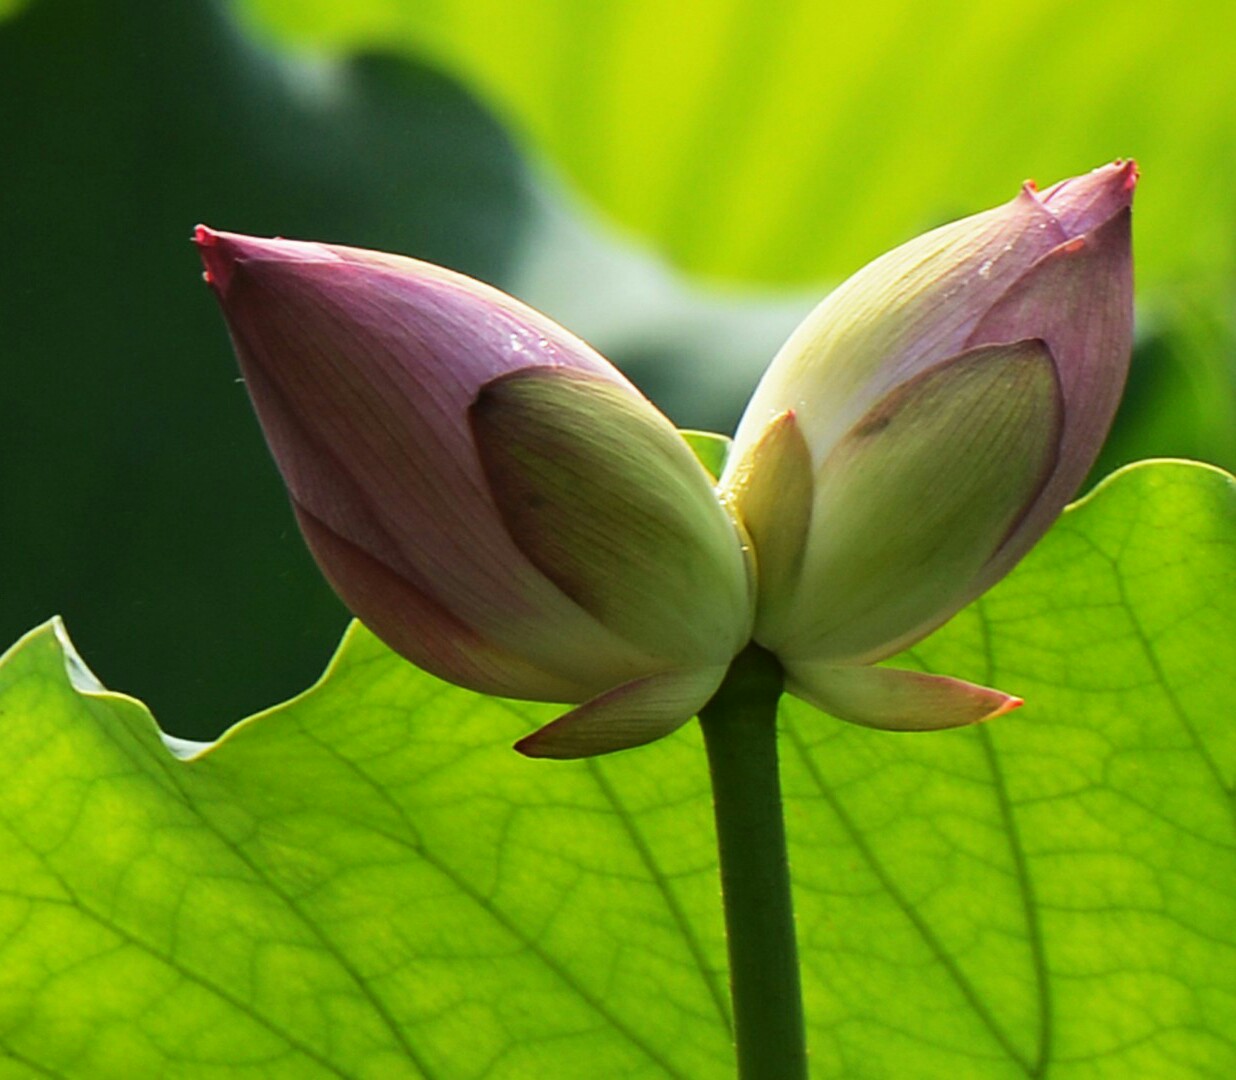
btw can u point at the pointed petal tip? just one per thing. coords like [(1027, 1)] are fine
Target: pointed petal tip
[(625, 717), (1007, 706), (218, 256), (543, 745), (555, 742), (223, 253), (594, 728), (1116, 177), (1128, 171), (530, 748), (1083, 203), (893, 699), (1118, 180)]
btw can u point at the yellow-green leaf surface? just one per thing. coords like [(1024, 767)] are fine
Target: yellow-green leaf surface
[(781, 140), (367, 881)]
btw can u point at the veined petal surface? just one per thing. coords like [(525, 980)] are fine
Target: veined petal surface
[(894, 700), (914, 500), (627, 716)]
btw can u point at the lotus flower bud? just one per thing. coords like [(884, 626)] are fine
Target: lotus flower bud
[(920, 431), (490, 496)]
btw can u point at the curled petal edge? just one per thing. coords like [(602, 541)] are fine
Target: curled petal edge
[(630, 715), (890, 699)]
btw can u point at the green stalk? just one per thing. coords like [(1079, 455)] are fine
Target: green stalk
[(740, 733)]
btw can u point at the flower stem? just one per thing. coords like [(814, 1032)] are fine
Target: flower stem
[(740, 733)]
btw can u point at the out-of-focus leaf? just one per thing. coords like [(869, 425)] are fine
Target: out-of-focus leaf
[(789, 142), (794, 141), (366, 882), (1181, 396)]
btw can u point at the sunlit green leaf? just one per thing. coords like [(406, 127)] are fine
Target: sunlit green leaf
[(367, 882), (1052, 894)]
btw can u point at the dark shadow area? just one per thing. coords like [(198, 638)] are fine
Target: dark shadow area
[(139, 501)]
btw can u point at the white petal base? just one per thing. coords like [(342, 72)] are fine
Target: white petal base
[(629, 715), (895, 700)]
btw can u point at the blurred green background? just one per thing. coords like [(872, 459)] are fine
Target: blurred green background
[(676, 182)]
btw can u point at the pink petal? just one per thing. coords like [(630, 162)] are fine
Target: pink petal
[(1079, 300), (362, 367), (419, 628)]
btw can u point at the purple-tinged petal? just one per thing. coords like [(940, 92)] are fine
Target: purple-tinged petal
[(1079, 299), (419, 628), (1084, 203), (902, 313), (363, 368), (627, 716), (901, 537)]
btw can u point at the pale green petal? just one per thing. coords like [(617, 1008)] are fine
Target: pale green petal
[(895, 700), (915, 498), (770, 490), (606, 499)]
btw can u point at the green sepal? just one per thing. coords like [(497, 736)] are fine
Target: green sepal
[(913, 500), (604, 497), (771, 493)]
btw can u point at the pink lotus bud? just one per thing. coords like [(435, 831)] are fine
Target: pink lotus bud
[(921, 430), (485, 492)]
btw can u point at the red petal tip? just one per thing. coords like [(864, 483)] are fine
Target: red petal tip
[(1006, 707), (214, 255)]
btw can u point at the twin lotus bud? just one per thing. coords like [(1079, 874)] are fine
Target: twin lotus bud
[(502, 507)]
